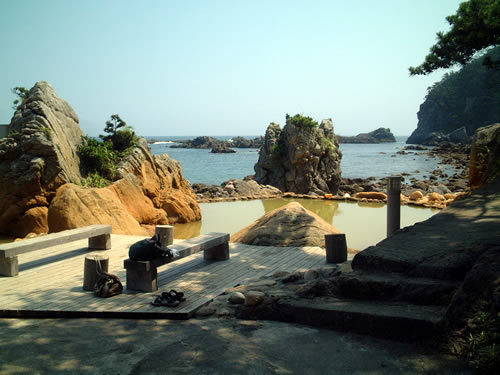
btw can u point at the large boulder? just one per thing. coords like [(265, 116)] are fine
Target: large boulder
[(484, 164), (162, 183), (37, 157), (76, 206), (302, 158), (480, 290), (290, 225)]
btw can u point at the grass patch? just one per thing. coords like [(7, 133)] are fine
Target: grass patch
[(483, 342), (95, 180), (303, 122)]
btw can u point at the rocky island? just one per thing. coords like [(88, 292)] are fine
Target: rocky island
[(205, 142), (379, 135), (303, 157)]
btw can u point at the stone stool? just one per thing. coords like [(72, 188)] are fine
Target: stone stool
[(336, 248), (90, 269)]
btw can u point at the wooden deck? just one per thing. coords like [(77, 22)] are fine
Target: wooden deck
[(50, 281)]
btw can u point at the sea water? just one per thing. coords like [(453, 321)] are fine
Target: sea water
[(363, 223), (358, 161)]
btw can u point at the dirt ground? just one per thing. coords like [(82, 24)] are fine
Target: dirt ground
[(205, 346)]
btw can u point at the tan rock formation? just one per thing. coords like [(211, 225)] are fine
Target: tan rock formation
[(76, 206), (435, 197), (164, 188), (371, 195), (151, 190), (37, 157), (290, 225), (39, 163), (416, 195)]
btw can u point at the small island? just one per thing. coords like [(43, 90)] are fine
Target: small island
[(205, 142), (380, 135)]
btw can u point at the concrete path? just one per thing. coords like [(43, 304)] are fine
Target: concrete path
[(208, 346)]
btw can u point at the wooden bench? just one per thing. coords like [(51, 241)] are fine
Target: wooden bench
[(143, 275), (99, 238)]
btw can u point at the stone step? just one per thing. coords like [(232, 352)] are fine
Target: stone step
[(397, 287), (388, 319)]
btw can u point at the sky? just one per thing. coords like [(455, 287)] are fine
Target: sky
[(229, 67)]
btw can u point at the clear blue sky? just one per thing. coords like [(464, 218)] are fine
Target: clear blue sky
[(224, 67)]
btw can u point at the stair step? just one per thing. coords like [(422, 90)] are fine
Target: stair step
[(388, 319), (397, 287)]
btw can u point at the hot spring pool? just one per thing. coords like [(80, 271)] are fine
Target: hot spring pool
[(363, 223)]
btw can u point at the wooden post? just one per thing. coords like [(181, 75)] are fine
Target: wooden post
[(336, 248), (90, 269), (166, 234), (393, 204)]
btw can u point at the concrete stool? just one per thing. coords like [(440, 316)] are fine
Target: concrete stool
[(336, 248), (90, 269), (166, 235)]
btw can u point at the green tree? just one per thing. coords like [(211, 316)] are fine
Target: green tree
[(21, 93), (474, 28), (121, 135)]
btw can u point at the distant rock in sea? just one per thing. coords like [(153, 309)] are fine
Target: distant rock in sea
[(240, 142), (222, 149), (199, 142), (211, 142), (379, 135)]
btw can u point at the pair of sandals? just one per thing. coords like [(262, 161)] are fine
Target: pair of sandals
[(169, 299)]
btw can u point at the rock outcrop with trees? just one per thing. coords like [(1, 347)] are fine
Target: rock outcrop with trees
[(303, 157), (45, 161), (460, 103), (474, 28)]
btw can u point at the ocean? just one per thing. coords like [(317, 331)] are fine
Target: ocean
[(358, 160)]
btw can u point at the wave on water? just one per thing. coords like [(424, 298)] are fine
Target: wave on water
[(163, 142)]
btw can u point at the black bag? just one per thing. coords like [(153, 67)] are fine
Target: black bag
[(148, 249), (106, 285)]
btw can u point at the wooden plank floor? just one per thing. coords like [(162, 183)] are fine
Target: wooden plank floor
[(50, 281)]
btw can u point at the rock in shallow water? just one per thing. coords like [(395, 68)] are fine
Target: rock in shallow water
[(290, 225)]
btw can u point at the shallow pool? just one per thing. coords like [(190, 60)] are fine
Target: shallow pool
[(363, 223)]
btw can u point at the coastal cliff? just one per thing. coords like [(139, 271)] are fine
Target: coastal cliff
[(459, 104), (40, 177)]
